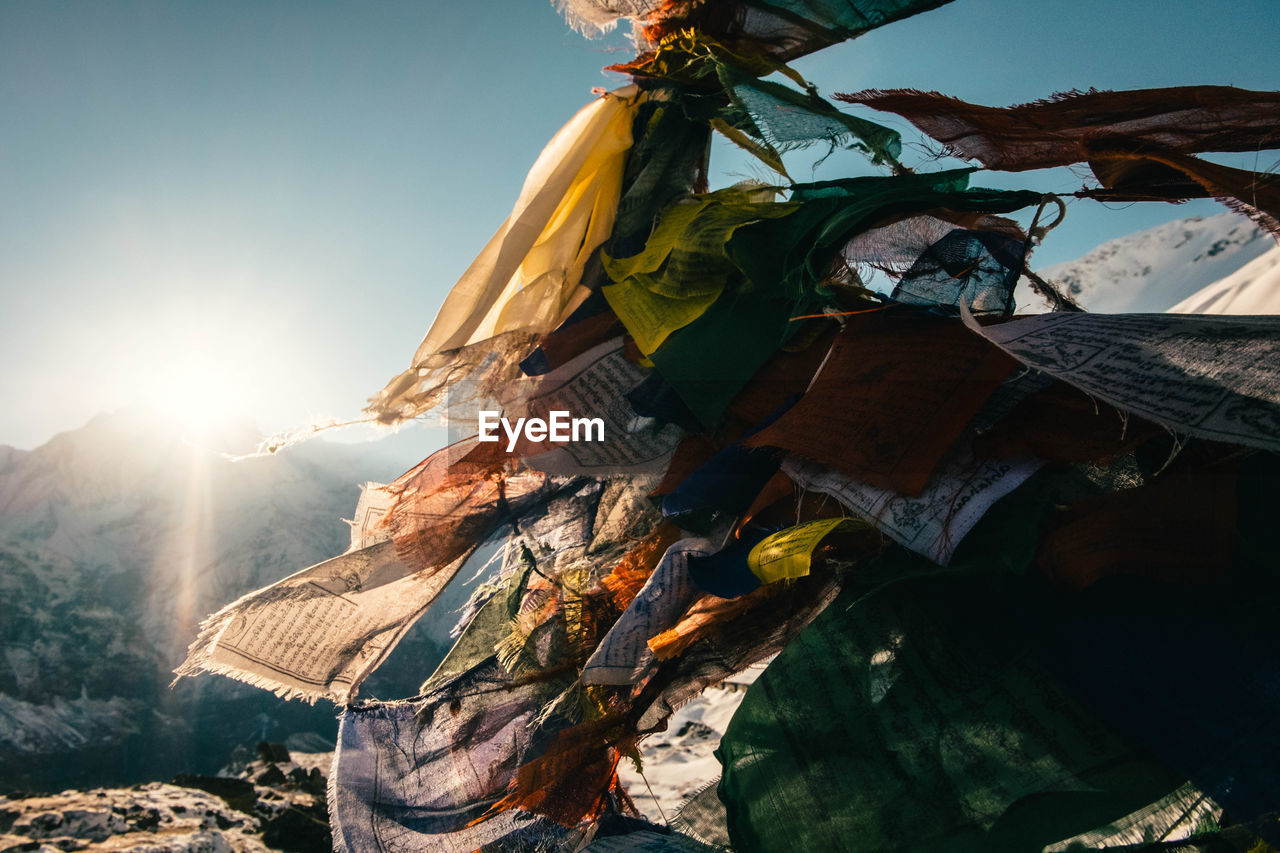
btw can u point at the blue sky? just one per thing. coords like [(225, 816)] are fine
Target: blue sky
[(267, 201)]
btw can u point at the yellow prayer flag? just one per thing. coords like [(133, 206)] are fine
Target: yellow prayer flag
[(788, 553)]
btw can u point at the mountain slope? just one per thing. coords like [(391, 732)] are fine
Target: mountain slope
[(1152, 270), (1252, 289), (115, 541)]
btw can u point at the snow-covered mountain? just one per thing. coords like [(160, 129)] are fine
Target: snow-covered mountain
[(679, 762), (1155, 269), (116, 539), (1252, 289)]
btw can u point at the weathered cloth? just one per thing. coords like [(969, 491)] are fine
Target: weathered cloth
[(527, 279)]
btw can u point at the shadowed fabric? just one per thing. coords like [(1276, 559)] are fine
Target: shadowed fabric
[(785, 262), (1128, 174), (784, 29), (917, 718), (683, 268), (1137, 142), (1059, 131), (936, 262), (900, 388)]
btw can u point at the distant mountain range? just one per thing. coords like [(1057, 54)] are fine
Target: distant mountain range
[(116, 539)]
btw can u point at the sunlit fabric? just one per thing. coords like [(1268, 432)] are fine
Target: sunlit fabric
[(528, 277)]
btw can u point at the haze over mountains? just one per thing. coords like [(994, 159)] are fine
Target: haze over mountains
[(116, 539)]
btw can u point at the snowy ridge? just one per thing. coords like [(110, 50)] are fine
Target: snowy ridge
[(1152, 270), (678, 762), (1252, 289)]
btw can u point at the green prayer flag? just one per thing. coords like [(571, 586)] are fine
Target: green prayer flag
[(917, 719)]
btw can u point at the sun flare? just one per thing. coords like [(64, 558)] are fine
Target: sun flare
[(199, 390)]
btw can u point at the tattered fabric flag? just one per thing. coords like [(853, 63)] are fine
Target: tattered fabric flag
[(900, 387), (1137, 142), (782, 119), (758, 556), (1213, 377), (937, 262), (1062, 130), (788, 554), (784, 29), (1129, 174), (933, 524), (320, 632), (683, 267), (528, 278)]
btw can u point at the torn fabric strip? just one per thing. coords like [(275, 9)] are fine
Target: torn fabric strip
[(1059, 131), (318, 633)]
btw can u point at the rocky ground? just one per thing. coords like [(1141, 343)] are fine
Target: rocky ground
[(275, 802)]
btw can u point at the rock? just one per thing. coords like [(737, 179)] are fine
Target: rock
[(238, 793), (152, 818), (299, 830), (272, 776), (273, 753)]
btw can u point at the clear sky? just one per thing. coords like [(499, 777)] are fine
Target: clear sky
[(263, 203)]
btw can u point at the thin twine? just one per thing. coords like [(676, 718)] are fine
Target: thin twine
[(662, 813)]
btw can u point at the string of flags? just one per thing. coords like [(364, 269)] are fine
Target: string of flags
[(1016, 575)]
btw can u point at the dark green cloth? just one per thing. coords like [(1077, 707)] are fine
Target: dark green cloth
[(917, 718), (797, 252), (786, 119)]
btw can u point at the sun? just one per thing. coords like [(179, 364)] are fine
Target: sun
[(199, 390)]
